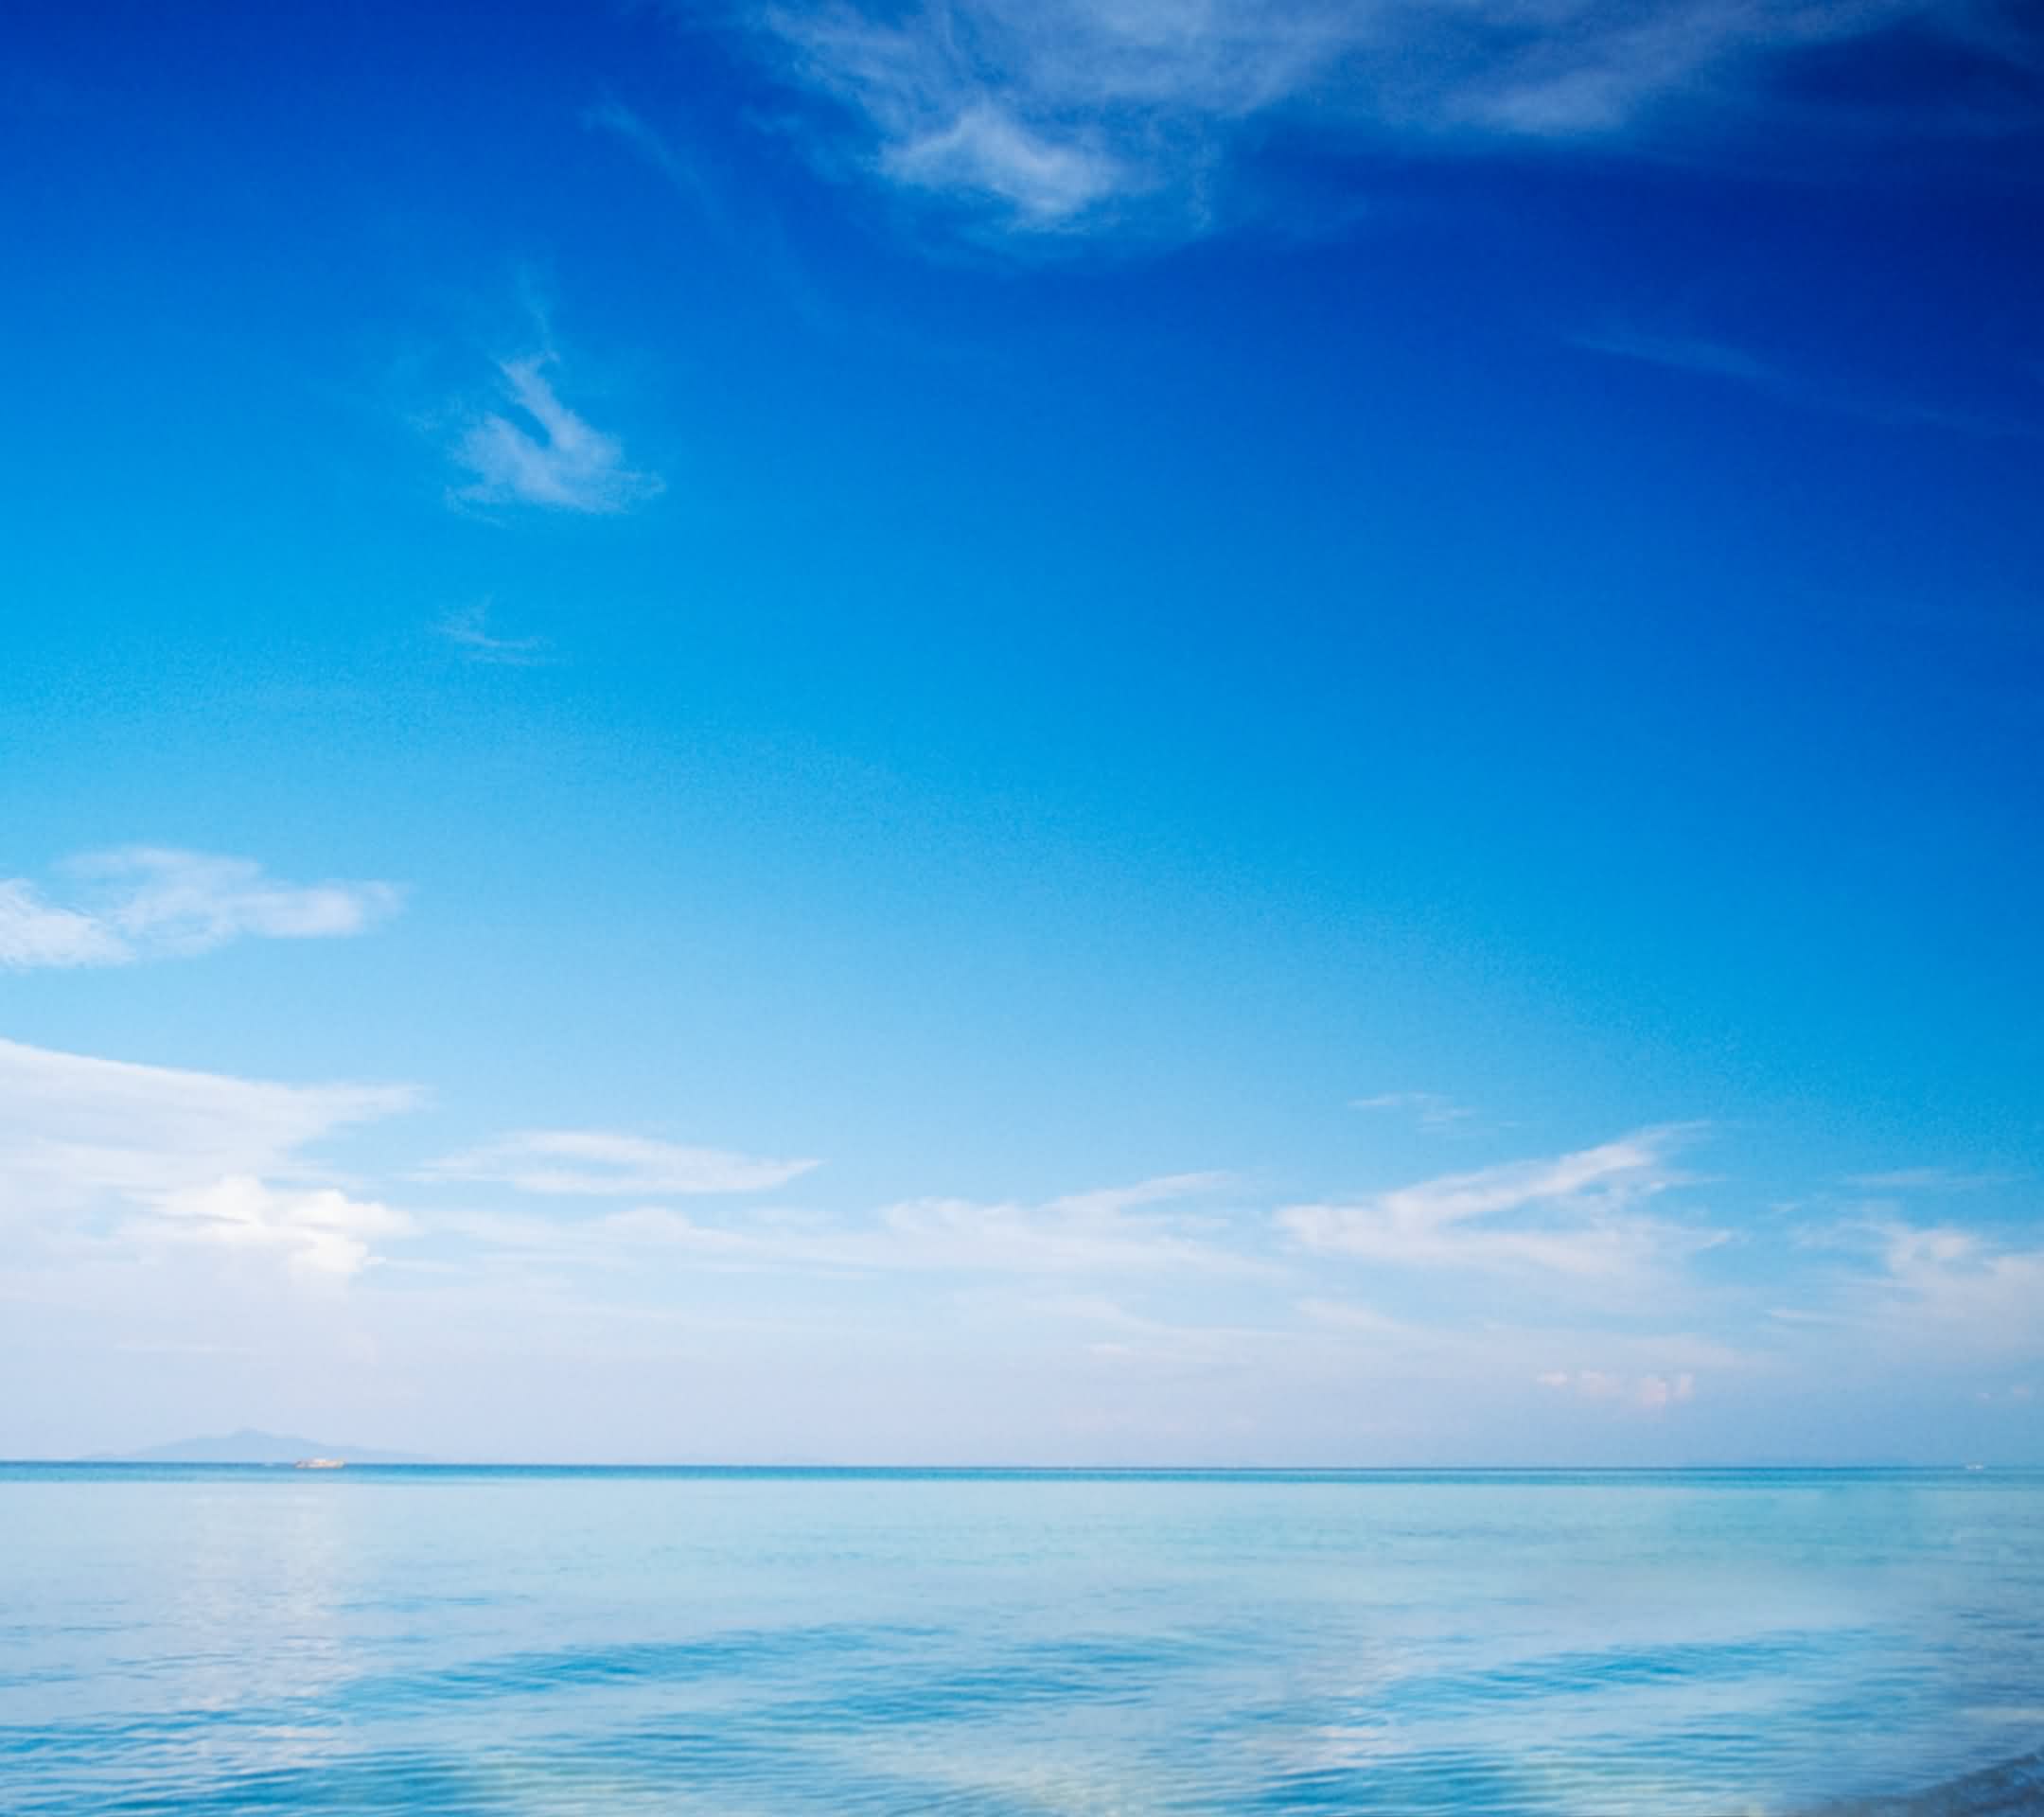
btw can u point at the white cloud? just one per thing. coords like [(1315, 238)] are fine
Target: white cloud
[(1653, 1392), (316, 1232), (1930, 1300), (35, 933), (1645, 1393), (606, 1164), (1957, 1290), (545, 453), (1573, 1215), (147, 902), (105, 1148), (1060, 114), (1166, 1290), (189, 902), (986, 151)]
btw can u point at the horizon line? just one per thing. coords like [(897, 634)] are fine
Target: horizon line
[(1699, 1466)]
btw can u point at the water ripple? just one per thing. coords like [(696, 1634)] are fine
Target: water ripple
[(1021, 1645)]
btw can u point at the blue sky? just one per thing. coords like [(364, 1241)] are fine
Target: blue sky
[(1170, 733)]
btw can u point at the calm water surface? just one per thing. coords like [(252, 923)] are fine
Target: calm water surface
[(1004, 1645)]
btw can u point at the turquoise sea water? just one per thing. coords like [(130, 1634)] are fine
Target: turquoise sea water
[(994, 1644)]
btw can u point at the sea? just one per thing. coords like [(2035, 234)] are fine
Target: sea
[(1018, 1644)]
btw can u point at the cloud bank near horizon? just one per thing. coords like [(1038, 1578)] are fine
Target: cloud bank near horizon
[(1545, 1282)]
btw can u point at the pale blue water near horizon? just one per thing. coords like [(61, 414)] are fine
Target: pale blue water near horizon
[(994, 1643)]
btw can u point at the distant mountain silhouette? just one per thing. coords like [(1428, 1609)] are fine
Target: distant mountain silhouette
[(249, 1446)]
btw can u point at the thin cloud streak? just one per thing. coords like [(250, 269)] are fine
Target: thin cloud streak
[(622, 123), (603, 1163), (1717, 359), (1430, 1109), (1683, 353)]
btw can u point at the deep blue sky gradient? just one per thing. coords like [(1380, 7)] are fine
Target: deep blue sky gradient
[(1550, 624)]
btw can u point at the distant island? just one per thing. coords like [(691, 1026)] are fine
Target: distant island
[(249, 1446)]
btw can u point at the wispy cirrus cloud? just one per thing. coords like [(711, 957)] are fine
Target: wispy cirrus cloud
[(607, 1164), (1573, 1215), (1957, 1289), (634, 129), (468, 631), (1061, 116), (1933, 1297), (1685, 353), (1143, 1228), (536, 451), (149, 902), (1430, 1109), (1703, 358), (1110, 1231), (75, 1122)]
